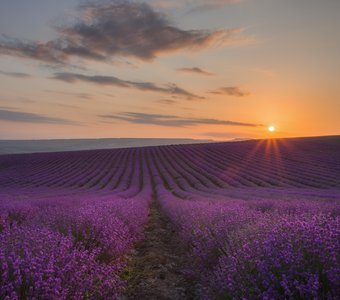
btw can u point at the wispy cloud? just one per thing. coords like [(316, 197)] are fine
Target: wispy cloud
[(231, 91), (107, 29), (25, 100), (204, 5), (167, 101), (66, 105), (191, 5), (7, 107), (25, 117), (15, 74), (78, 95), (195, 70), (170, 89), (171, 120)]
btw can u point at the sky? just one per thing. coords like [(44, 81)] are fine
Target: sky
[(218, 69)]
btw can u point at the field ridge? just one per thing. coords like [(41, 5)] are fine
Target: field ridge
[(155, 270)]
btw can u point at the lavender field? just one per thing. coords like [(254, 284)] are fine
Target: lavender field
[(258, 219)]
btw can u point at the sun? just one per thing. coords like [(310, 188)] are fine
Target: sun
[(271, 128)]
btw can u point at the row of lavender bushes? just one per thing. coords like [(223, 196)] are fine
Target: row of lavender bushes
[(260, 249), (68, 246)]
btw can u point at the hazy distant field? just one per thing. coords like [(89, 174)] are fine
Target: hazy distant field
[(253, 219), (32, 146)]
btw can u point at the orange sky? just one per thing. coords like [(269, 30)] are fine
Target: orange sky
[(192, 69)]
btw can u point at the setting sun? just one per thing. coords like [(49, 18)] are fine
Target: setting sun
[(271, 128)]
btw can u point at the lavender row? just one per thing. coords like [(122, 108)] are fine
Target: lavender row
[(68, 246), (267, 249)]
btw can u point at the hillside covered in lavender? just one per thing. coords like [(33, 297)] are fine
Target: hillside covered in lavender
[(252, 220)]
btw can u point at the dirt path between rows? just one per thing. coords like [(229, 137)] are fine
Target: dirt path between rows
[(155, 270)]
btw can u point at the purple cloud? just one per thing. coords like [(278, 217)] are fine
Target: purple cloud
[(171, 120), (108, 29), (195, 70), (231, 91), (170, 89)]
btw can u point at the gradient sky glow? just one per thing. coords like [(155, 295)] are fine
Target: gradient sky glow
[(217, 69)]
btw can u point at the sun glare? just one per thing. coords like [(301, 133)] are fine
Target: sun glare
[(271, 128)]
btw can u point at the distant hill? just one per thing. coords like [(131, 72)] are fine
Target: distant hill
[(33, 146)]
